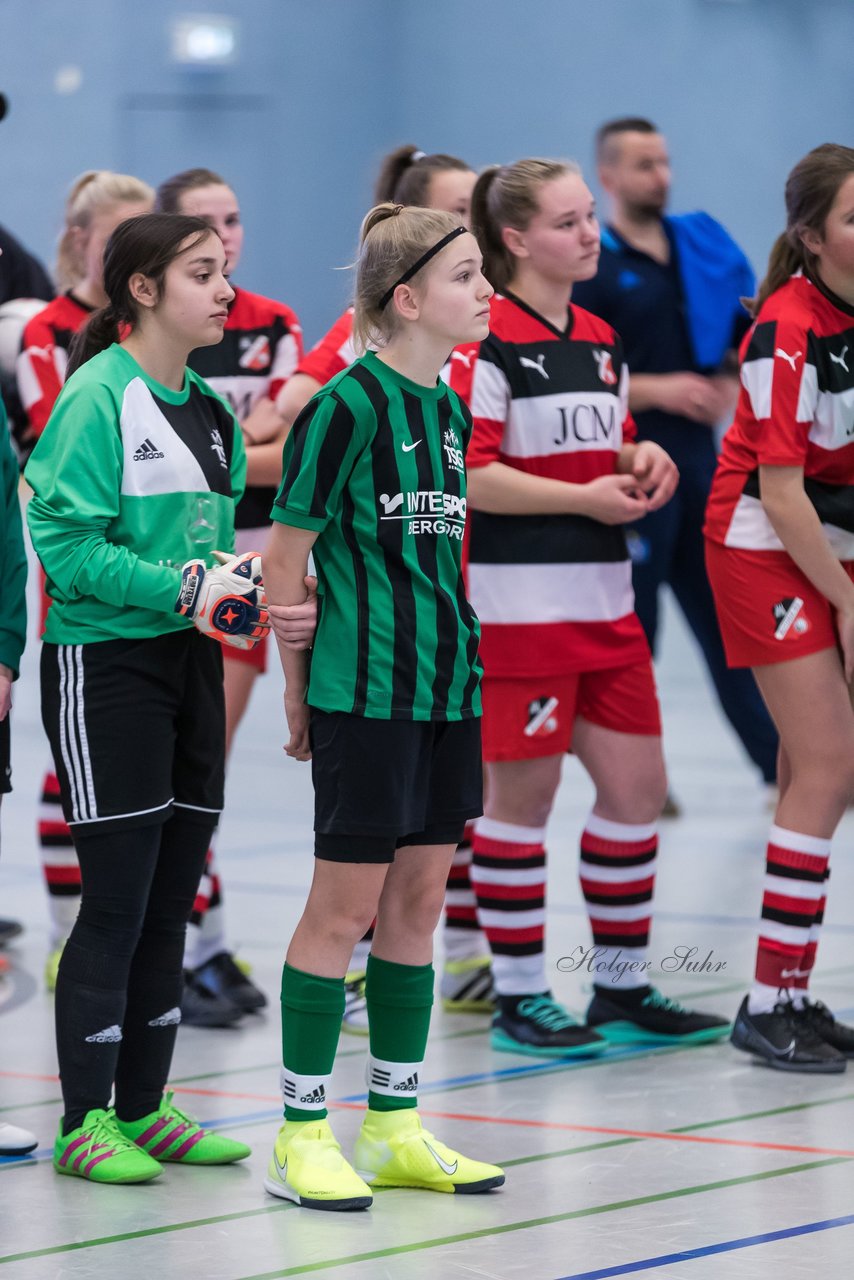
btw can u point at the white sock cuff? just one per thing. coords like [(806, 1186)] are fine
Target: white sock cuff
[(508, 832), (624, 832), (798, 842), (306, 1092), (392, 1079)]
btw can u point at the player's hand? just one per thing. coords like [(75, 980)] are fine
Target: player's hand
[(296, 714), (5, 690), (227, 602), (614, 499), (294, 625), (845, 630), (263, 423), (656, 473), (690, 395)]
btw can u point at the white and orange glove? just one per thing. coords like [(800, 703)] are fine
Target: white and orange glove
[(226, 602)]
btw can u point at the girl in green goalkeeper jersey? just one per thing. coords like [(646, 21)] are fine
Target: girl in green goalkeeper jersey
[(137, 446), (388, 712)]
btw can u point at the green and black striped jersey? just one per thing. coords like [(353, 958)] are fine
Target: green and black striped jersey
[(375, 464)]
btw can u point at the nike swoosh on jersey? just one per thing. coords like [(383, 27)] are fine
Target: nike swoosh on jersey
[(450, 1169), (407, 448)]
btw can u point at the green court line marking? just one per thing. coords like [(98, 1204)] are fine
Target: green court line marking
[(327, 1264), (140, 1235), (508, 1227)]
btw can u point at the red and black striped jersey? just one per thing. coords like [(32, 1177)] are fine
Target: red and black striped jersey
[(795, 409), (332, 353), (260, 349), (44, 355), (553, 592)]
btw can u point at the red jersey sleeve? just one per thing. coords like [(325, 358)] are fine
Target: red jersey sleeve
[(630, 431), (40, 371), (475, 373), (332, 353), (287, 354), (780, 383)]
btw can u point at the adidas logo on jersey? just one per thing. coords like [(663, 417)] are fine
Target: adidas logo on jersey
[(256, 353), (110, 1035), (409, 1085), (169, 1019), (787, 616), (147, 452)]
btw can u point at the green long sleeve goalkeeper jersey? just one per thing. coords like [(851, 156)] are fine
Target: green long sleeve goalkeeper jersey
[(130, 480)]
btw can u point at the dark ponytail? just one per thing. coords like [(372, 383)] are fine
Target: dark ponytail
[(811, 189), (143, 245), (405, 175)]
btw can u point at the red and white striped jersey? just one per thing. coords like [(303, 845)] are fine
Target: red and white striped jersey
[(553, 592), (332, 353), (44, 355), (795, 409), (260, 349)]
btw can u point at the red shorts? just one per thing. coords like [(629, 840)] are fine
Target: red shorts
[(533, 716), (767, 609)]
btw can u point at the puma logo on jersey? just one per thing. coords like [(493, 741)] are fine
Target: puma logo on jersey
[(840, 359), (219, 448), (257, 353), (535, 364), (604, 366), (147, 452), (784, 355), (463, 358)]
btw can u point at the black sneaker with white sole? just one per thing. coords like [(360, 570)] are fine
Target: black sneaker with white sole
[(785, 1040), (203, 1008), (817, 1016)]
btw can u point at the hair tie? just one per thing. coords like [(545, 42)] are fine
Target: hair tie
[(418, 155), (421, 262)]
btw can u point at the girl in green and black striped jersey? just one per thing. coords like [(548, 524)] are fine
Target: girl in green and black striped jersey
[(374, 485)]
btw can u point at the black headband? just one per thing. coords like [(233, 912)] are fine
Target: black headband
[(421, 262)]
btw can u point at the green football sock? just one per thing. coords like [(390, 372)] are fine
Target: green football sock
[(399, 999), (312, 1009)]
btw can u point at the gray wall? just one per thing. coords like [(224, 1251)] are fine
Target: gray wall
[(321, 88)]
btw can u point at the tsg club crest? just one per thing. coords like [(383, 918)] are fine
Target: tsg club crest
[(219, 448), (453, 452)]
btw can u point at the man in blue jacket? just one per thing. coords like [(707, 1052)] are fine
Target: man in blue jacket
[(670, 286)]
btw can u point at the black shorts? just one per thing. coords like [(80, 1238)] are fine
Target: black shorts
[(135, 727), (5, 757), (382, 784)]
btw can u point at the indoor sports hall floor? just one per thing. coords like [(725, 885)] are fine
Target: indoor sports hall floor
[(687, 1163)]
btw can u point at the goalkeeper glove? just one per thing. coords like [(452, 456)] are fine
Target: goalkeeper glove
[(226, 602)]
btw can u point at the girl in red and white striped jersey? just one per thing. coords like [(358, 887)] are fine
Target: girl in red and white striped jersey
[(260, 350), (98, 201), (554, 474), (408, 176), (780, 552)]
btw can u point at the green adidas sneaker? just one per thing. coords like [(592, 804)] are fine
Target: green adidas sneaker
[(99, 1151), (170, 1135)]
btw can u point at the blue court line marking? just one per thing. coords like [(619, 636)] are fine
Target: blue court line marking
[(704, 1251)]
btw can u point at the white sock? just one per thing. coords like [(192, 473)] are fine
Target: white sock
[(762, 998)]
